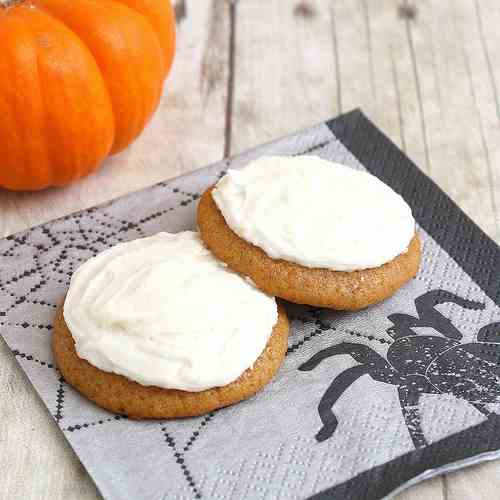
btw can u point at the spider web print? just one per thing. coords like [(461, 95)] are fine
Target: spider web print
[(71, 248), (268, 446)]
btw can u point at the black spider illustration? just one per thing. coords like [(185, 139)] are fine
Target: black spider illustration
[(421, 364)]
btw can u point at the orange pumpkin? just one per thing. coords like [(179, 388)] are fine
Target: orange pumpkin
[(79, 81)]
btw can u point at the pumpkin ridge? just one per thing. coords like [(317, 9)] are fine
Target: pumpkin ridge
[(152, 10), (42, 7), (48, 150), (69, 121), (146, 18), (45, 155), (50, 175)]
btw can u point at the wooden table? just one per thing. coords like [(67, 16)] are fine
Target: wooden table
[(427, 72)]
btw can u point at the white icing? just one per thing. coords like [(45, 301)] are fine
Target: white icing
[(163, 311), (315, 213)]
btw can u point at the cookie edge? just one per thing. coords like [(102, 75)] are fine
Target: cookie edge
[(123, 396), (300, 284)]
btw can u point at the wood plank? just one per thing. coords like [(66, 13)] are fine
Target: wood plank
[(398, 70), (448, 108), (477, 24), (480, 127), (285, 73), (385, 108), (362, 42), (187, 132), (480, 482), (433, 489)]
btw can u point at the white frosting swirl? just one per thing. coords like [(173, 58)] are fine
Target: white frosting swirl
[(163, 311), (315, 213)]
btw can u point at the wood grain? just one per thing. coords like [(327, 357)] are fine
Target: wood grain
[(284, 72), (248, 71)]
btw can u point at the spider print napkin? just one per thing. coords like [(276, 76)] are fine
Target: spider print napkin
[(365, 404)]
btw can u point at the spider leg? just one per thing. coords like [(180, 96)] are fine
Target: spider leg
[(332, 394), (372, 364), (429, 300), (360, 352), (489, 333), (429, 316), (408, 399)]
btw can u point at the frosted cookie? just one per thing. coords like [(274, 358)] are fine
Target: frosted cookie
[(158, 328), (311, 231)]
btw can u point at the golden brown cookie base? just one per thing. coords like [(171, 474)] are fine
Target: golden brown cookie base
[(121, 395), (303, 285)]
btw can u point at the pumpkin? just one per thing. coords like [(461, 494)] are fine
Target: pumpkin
[(79, 81)]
